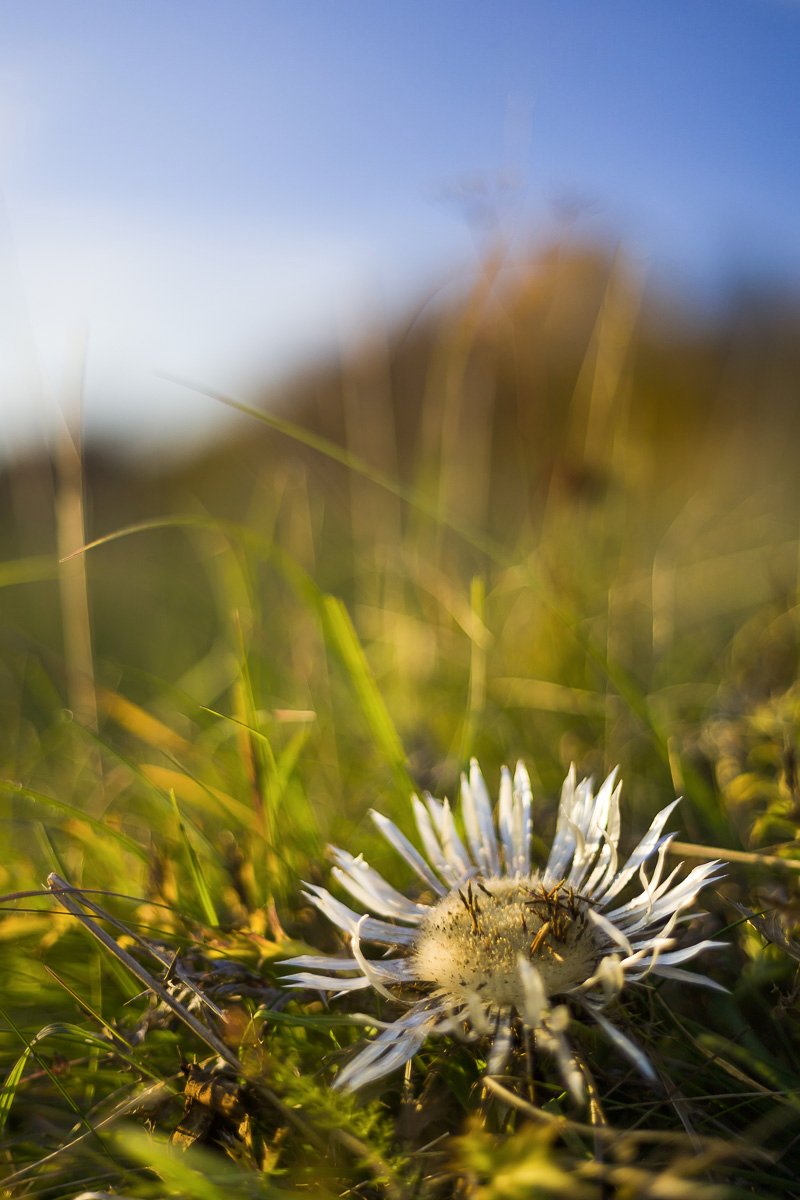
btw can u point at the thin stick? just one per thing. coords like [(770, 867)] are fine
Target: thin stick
[(693, 850), (66, 893), (610, 1134), (71, 534), (358, 1149), (167, 960)]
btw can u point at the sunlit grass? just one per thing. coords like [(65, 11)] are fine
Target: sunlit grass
[(307, 632)]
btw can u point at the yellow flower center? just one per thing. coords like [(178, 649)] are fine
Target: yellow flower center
[(471, 943)]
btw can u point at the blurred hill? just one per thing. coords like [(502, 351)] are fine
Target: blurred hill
[(554, 378), (642, 450)]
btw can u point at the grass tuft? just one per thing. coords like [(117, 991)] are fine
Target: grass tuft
[(549, 523)]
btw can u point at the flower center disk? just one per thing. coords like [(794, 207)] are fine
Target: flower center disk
[(471, 943)]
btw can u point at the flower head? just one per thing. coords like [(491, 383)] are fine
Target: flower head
[(495, 946)]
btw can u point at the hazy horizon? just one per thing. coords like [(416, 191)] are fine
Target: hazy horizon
[(228, 196)]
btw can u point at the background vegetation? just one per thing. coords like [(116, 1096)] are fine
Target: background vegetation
[(551, 517)]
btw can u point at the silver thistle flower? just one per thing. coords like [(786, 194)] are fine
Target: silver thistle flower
[(497, 945)]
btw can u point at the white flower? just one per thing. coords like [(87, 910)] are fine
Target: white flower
[(495, 946)]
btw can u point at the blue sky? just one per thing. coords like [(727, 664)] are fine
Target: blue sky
[(223, 191)]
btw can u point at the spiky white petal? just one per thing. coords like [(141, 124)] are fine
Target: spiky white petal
[(372, 890), (624, 1043), (391, 1049), (477, 809), (452, 846), (505, 821), (327, 983), (404, 848), (431, 843), (523, 828), (346, 919)]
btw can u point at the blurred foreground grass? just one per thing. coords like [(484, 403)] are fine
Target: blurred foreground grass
[(551, 520)]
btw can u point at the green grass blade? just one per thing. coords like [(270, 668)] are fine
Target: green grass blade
[(86, 1007), (36, 569), (341, 634), (30, 1045), (11, 788), (356, 464), (198, 878), (202, 1175), (10, 1086)]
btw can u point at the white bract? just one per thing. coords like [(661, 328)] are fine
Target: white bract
[(495, 946)]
